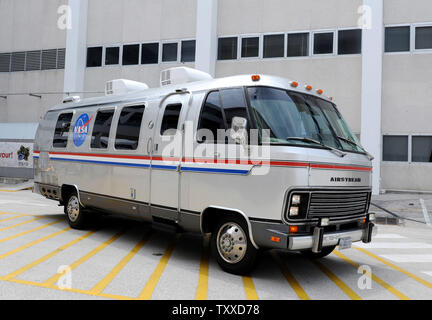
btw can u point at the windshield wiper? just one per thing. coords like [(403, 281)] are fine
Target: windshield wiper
[(371, 157), (304, 139)]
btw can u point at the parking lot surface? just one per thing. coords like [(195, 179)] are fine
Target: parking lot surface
[(42, 258)]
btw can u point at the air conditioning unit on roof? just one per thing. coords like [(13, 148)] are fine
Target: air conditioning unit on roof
[(122, 86), (182, 75)]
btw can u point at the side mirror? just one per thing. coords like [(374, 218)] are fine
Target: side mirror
[(238, 130)]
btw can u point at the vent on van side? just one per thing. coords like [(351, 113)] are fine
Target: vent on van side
[(182, 75), (122, 86)]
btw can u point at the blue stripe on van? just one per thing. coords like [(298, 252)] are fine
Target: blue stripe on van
[(104, 162), (215, 170)]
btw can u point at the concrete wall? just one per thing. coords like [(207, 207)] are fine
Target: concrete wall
[(407, 96), (338, 76), (27, 25)]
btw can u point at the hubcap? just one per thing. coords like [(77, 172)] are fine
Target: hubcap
[(231, 243), (73, 208)]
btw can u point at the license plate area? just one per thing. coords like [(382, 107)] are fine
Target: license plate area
[(345, 243)]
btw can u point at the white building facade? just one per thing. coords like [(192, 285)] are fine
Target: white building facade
[(373, 56)]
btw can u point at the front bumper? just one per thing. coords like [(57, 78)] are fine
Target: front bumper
[(265, 234)]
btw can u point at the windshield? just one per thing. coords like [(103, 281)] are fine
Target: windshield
[(289, 115)]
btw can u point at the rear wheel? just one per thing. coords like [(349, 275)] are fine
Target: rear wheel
[(324, 253), (76, 216), (232, 247)]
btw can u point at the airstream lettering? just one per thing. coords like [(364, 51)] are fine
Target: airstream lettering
[(257, 161)]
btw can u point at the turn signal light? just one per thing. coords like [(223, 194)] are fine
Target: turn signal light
[(275, 239), (293, 229), (256, 78)]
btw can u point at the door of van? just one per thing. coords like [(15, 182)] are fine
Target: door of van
[(166, 157)]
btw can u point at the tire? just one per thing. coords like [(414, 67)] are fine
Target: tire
[(231, 246), (324, 253), (75, 214)]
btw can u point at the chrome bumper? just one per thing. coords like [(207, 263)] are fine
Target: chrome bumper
[(328, 239)]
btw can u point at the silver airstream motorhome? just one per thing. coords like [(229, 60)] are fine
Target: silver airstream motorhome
[(257, 161)]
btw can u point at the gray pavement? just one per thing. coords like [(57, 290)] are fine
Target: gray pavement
[(122, 259)]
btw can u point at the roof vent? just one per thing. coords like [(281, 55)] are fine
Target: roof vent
[(122, 86), (182, 75), (72, 99)]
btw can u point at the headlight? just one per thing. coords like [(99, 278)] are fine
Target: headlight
[(298, 205), (294, 211)]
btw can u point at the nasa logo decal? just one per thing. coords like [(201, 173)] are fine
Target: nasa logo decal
[(81, 129)]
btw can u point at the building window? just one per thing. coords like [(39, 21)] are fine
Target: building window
[(33, 60), (49, 59), (94, 57), (250, 47), (171, 119), (5, 61), (150, 53), (188, 48), (211, 119), (61, 58), (274, 46), (323, 43), (395, 148), (61, 133), (349, 41), (227, 48), (129, 127), (298, 45), (169, 52), (112, 56), (397, 39), (101, 130), (18, 61), (131, 54), (422, 149), (423, 38)]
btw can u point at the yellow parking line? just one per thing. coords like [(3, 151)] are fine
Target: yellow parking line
[(28, 245), (40, 285), (21, 224), (202, 288), (378, 280), (9, 191), (30, 231), (56, 277), (249, 288), (348, 291), (101, 285), (150, 286), (47, 256), (3, 213), (16, 217), (290, 278), (409, 274)]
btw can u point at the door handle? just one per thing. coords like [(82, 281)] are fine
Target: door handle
[(149, 146)]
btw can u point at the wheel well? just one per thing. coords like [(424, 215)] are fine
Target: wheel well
[(67, 190), (211, 216)]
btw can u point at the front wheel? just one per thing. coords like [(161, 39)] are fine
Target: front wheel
[(232, 247), (324, 253)]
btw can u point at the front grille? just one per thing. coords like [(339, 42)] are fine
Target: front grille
[(334, 204)]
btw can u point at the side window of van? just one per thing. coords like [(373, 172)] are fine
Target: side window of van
[(62, 129), (101, 129), (129, 127), (171, 119), (234, 104), (211, 119)]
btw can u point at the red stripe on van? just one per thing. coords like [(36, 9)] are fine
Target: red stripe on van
[(336, 167)]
